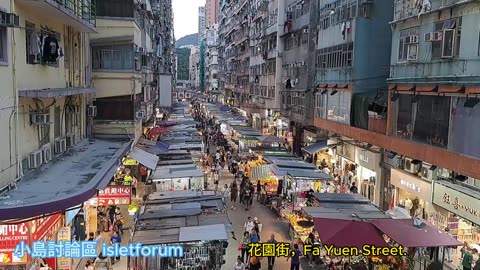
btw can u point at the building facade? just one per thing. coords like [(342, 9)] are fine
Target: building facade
[(212, 11), (202, 24), (193, 65), (211, 59)]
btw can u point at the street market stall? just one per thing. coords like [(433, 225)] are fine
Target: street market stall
[(197, 222), (178, 177)]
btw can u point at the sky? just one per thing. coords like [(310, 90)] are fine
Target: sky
[(185, 12)]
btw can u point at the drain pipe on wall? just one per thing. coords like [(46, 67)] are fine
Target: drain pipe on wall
[(15, 94)]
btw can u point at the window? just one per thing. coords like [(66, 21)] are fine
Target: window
[(408, 45), (304, 37), (114, 57), (115, 8), (339, 56), (448, 43), (3, 45)]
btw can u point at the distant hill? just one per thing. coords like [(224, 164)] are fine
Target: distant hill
[(187, 40)]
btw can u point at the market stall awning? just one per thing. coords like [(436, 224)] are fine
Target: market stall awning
[(306, 174), (316, 147), (225, 108), (157, 131), (143, 141), (166, 123), (163, 145), (203, 233), (348, 233), (350, 198), (270, 139), (415, 233), (147, 159)]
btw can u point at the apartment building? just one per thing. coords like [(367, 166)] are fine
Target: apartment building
[(212, 11), (131, 55), (202, 24), (193, 65), (211, 60)]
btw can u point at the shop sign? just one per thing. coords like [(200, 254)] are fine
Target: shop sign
[(10, 236), (114, 195), (411, 184), (367, 159), (64, 234), (457, 202), (44, 228)]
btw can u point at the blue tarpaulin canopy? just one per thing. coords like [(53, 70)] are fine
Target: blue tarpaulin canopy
[(163, 145)]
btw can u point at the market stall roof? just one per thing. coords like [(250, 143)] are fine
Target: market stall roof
[(398, 213), (144, 157), (296, 164), (225, 108), (348, 198), (154, 150), (143, 141), (203, 233), (180, 196), (415, 233), (186, 146), (175, 162), (345, 233), (315, 147), (270, 139), (350, 214), (164, 174), (301, 173)]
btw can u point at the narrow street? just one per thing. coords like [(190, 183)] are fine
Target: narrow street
[(271, 225)]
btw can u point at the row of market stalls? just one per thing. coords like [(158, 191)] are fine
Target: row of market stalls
[(196, 221), (351, 220)]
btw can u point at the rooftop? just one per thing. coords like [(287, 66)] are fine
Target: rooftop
[(66, 181)]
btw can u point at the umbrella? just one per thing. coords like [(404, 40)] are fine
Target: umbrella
[(348, 233), (157, 131), (225, 108), (270, 139)]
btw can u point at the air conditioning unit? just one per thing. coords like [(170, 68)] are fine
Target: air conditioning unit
[(92, 111), (141, 114), (40, 118), (429, 172), (9, 19), (47, 152), (71, 139), (35, 159), (412, 165), (60, 146), (25, 166), (305, 30), (411, 39)]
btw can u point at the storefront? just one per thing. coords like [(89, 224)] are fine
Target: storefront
[(346, 157), (96, 208), (462, 215), (368, 173), (413, 194)]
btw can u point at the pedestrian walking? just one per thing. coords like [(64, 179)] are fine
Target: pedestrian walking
[(225, 193), (247, 198), (255, 263), (244, 246), (271, 259), (259, 190), (254, 236), (249, 225), (295, 262), (233, 194), (115, 239), (239, 265)]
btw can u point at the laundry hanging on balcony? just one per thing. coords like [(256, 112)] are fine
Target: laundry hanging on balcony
[(51, 50)]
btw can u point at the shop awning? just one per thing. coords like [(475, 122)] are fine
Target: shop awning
[(225, 108), (147, 159), (203, 233), (315, 148), (347, 198), (306, 174), (415, 233), (66, 182), (270, 139), (348, 233)]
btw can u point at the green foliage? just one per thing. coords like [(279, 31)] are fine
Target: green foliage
[(183, 58)]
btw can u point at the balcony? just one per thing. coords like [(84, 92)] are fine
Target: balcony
[(406, 9), (79, 14)]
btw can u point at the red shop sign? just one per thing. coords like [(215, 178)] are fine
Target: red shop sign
[(44, 228), (115, 195), (10, 237)]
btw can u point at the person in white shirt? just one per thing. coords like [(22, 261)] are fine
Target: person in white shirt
[(326, 170), (249, 225), (239, 265), (225, 193)]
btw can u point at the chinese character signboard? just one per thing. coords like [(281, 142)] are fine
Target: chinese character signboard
[(115, 195), (457, 202), (44, 228), (64, 234), (10, 237)]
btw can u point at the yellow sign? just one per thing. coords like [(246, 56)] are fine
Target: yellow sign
[(64, 234), (130, 162)]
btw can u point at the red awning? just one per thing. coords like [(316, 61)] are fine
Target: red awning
[(407, 235), (348, 233), (157, 131)]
